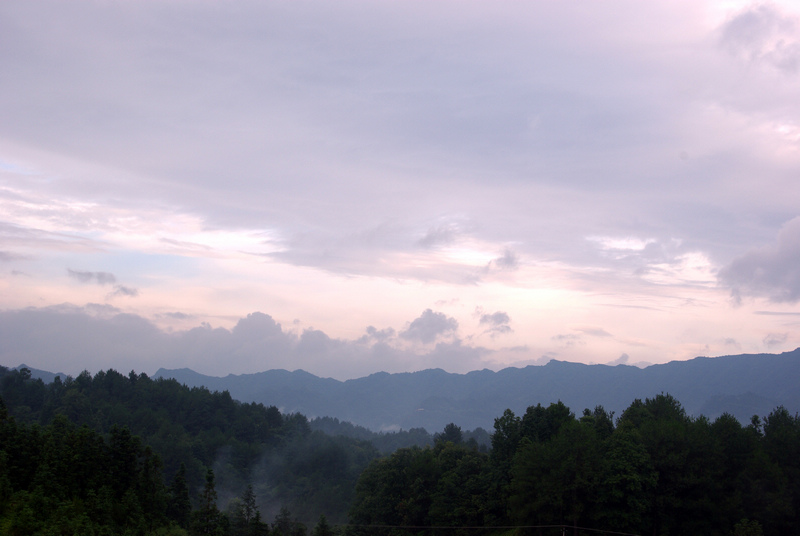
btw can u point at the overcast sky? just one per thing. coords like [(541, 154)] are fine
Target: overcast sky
[(350, 187)]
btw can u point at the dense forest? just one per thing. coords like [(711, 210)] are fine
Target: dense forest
[(116, 454), (388, 442), (655, 471), (120, 450)]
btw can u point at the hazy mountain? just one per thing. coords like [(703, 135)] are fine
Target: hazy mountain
[(46, 377), (743, 385)]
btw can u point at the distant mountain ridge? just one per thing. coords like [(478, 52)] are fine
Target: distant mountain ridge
[(743, 385), (45, 376)]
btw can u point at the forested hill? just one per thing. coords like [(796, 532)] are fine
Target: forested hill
[(96, 455), (742, 385), (63, 443)]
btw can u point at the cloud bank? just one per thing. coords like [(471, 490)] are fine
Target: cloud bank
[(96, 337)]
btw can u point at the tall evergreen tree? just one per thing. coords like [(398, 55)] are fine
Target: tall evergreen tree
[(179, 507), (244, 513), (249, 508), (322, 528), (207, 517), (451, 433)]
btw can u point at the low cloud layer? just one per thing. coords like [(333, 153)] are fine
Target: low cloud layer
[(96, 336)]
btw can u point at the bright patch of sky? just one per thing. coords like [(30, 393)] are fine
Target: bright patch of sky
[(359, 186), (635, 244)]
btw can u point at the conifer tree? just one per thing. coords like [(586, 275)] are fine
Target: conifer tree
[(322, 528), (207, 517), (179, 508)]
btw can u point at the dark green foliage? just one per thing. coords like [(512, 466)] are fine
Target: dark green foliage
[(245, 518), (451, 433), (657, 472), (781, 442), (194, 428), (285, 525), (505, 440), (385, 442), (322, 528), (78, 485), (207, 520), (388, 442), (626, 478), (555, 481), (443, 485), (179, 506), (84, 456), (745, 527), (601, 420), (247, 512)]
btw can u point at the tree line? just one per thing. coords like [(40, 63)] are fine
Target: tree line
[(388, 442), (117, 454), (653, 471)]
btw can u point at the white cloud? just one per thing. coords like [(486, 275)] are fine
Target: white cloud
[(692, 268), (627, 243), (429, 326)]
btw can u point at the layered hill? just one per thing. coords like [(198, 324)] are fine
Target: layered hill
[(742, 385)]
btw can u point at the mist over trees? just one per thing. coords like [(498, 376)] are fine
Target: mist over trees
[(175, 434), (117, 454), (388, 442)]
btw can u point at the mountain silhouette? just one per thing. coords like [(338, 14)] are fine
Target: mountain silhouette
[(742, 385)]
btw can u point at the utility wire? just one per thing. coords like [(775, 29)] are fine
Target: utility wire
[(485, 527)]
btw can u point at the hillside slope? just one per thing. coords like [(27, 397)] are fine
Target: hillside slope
[(743, 385)]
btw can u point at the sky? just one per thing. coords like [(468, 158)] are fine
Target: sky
[(359, 186)]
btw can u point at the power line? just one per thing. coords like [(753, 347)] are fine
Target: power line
[(487, 527)]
